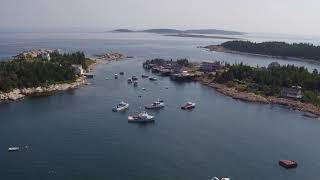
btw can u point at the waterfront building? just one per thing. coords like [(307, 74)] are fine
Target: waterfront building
[(293, 92), (210, 66), (78, 69)]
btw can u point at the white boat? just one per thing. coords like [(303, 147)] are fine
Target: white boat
[(107, 78), (116, 76), (156, 105), (142, 117), (120, 107), (10, 149), (153, 78), (129, 80), (189, 105)]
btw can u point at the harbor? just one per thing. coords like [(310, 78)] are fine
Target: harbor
[(71, 132)]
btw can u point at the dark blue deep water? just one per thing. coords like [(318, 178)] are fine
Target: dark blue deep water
[(74, 135)]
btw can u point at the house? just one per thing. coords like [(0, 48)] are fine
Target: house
[(46, 56), (273, 65), (293, 92), (210, 66), (78, 69)]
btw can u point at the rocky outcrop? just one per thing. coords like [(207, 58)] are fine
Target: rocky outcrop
[(251, 97), (17, 94)]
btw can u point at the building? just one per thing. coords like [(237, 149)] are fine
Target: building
[(293, 92), (78, 69), (210, 66), (46, 56), (273, 65)]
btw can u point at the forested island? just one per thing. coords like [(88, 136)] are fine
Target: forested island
[(32, 70), (274, 49)]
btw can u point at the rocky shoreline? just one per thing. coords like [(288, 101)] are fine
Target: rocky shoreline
[(18, 94), (251, 97)]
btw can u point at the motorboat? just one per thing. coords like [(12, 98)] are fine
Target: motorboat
[(189, 105), (144, 89), (134, 78), (129, 80), (121, 73), (153, 78), (288, 164), (135, 84), (156, 105), (142, 117), (120, 107), (11, 149), (144, 76), (116, 76), (107, 78)]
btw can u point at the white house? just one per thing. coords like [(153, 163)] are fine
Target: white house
[(78, 69), (46, 56)]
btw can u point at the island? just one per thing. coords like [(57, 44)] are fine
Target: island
[(296, 51), (176, 31), (202, 36), (291, 86), (42, 72)]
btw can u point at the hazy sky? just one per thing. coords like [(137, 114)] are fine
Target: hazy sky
[(278, 16)]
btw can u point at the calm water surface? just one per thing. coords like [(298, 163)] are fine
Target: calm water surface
[(74, 135)]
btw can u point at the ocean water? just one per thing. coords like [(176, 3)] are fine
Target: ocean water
[(75, 135)]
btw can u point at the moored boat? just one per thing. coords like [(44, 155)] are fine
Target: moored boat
[(134, 78), (116, 76), (11, 149), (120, 107), (288, 164), (129, 80), (156, 105), (144, 76), (135, 84), (153, 78), (121, 73), (142, 117), (189, 105)]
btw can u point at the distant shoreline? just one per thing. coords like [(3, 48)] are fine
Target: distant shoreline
[(203, 36), (218, 48)]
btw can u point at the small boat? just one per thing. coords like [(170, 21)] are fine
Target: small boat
[(116, 76), (189, 105), (142, 117), (143, 89), (120, 107), (156, 105), (310, 115), (144, 76), (135, 84), (107, 78), (288, 164), (129, 80), (11, 149), (121, 73), (153, 78), (134, 78)]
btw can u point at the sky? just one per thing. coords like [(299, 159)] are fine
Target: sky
[(301, 17)]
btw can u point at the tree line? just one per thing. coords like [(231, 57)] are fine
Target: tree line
[(298, 50), (270, 81), (33, 73)]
